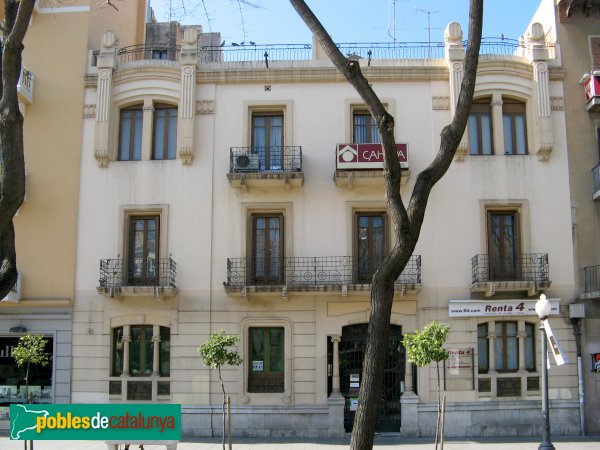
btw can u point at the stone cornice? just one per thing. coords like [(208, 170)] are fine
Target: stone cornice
[(320, 74), (253, 75)]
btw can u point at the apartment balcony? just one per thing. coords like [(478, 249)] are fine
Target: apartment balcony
[(25, 86), (138, 277), (265, 167), (143, 52), (596, 176), (525, 272), (591, 283), (313, 274), (362, 165)]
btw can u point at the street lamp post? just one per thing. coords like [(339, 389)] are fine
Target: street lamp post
[(542, 309)]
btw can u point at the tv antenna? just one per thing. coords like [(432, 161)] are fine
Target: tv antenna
[(429, 12)]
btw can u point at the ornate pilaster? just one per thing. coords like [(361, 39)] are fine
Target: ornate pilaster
[(126, 341), (187, 100), (455, 56), (156, 350), (538, 58), (106, 64), (336, 401)]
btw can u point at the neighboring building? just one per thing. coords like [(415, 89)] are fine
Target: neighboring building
[(51, 96), (241, 188), (575, 27)]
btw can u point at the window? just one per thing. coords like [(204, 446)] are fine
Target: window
[(503, 245), (370, 244), (143, 256), (506, 347), (165, 132), (267, 255), (267, 139), (130, 134), (140, 343), (364, 128), (480, 128), (266, 368), (514, 125)]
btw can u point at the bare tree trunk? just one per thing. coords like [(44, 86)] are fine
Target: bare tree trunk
[(439, 407), (407, 221), (12, 163)]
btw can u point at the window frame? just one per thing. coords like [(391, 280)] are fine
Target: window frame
[(479, 108), (517, 240), (268, 161), (168, 127), (254, 216), (119, 330), (513, 109), (355, 242), (267, 373), (137, 118), (145, 279), (372, 138), (505, 348)]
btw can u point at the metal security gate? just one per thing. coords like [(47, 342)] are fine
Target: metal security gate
[(352, 350)]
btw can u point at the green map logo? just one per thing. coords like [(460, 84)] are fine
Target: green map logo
[(95, 422)]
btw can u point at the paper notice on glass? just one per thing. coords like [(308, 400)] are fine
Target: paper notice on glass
[(559, 355)]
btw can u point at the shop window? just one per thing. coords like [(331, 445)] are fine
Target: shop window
[(505, 342), (266, 366), (12, 377), (506, 347)]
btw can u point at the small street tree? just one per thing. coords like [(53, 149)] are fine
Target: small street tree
[(216, 353), (425, 347), (30, 351)]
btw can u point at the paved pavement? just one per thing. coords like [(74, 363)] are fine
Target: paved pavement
[(381, 443)]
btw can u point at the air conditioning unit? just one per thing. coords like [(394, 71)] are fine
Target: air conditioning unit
[(246, 163), (15, 293)]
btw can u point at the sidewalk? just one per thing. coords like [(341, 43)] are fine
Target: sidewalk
[(381, 443)]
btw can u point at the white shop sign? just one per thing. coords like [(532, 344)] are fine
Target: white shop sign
[(481, 308)]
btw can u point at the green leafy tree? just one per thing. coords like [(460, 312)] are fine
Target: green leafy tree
[(216, 353), (425, 347), (30, 351)]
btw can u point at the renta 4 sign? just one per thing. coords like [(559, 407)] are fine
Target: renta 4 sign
[(367, 156), (477, 308)]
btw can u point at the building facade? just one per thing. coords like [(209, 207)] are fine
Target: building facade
[(575, 26), (241, 189)]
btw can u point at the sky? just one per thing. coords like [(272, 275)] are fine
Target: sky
[(347, 21)]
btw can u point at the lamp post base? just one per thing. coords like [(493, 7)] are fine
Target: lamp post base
[(547, 446)]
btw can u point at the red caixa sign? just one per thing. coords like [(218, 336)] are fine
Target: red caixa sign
[(367, 156), (592, 88)]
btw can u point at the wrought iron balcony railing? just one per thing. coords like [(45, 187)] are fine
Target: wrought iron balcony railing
[(596, 175), (591, 279), (137, 272), (147, 52), (303, 272), (367, 50), (274, 159), (531, 267)]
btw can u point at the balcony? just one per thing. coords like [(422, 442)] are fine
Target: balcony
[(596, 176), (263, 167), (25, 87), (362, 165), (526, 272), (312, 274), (142, 52), (137, 278), (591, 283)]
